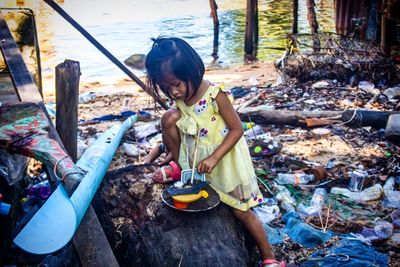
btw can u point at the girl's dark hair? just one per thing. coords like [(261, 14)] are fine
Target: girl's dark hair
[(174, 55)]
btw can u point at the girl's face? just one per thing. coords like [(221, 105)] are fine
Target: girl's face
[(176, 88)]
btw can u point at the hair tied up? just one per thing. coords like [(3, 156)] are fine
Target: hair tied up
[(155, 42)]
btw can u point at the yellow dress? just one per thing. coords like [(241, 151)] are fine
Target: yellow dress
[(233, 177)]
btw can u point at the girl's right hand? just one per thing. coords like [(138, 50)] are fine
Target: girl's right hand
[(207, 165)]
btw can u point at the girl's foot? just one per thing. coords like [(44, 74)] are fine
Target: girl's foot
[(155, 153), (168, 173), (272, 263)]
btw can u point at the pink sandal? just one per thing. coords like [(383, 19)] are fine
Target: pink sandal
[(272, 263), (167, 174)]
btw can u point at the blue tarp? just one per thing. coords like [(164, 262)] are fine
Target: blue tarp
[(347, 253)]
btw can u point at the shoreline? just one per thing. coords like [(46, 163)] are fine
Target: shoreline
[(246, 75)]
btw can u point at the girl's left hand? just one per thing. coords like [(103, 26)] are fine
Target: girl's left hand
[(207, 165)]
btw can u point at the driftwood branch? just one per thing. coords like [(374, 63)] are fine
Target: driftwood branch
[(352, 118)]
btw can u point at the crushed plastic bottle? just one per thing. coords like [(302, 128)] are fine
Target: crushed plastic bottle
[(392, 92), (392, 197), (86, 97), (382, 230), (294, 178), (266, 213), (396, 218), (371, 193), (357, 178), (287, 202), (316, 204), (40, 190)]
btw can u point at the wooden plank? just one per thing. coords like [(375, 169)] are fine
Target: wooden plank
[(23, 82), (91, 243)]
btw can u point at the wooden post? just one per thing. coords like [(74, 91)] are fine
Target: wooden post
[(67, 95), (214, 15), (312, 20), (295, 16), (372, 27), (312, 17), (387, 28), (251, 27)]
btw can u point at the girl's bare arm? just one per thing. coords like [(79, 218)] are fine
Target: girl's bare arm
[(234, 124)]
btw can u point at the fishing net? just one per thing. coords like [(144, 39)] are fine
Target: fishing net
[(332, 56)]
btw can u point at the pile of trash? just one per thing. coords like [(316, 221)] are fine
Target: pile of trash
[(312, 57)]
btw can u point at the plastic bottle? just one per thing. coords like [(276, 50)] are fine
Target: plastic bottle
[(40, 190), (392, 197), (319, 198), (294, 178), (316, 204), (357, 178), (381, 230), (392, 92), (266, 213), (371, 193), (285, 198)]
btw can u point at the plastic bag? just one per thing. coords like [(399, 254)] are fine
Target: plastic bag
[(12, 166)]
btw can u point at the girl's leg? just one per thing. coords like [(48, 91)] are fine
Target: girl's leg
[(170, 132), (256, 230)]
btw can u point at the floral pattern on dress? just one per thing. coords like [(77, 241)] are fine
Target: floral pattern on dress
[(224, 131), (203, 133), (201, 107)]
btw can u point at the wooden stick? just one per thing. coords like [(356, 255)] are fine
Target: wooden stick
[(327, 218), (194, 157), (321, 220)]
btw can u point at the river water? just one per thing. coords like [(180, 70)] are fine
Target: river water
[(125, 27)]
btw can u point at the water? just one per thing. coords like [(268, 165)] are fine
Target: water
[(125, 27)]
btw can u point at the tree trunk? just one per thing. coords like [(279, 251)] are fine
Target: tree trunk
[(352, 118), (143, 231), (261, 115)]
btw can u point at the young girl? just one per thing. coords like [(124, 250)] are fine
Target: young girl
[(205, 112)]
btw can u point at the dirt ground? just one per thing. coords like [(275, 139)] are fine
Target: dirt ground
[(345, 147)]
